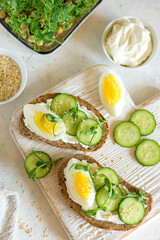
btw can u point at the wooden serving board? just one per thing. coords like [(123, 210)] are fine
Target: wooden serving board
[(122, 160)]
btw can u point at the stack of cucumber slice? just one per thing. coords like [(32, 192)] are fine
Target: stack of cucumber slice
[(128, 134), (87, 130), (109, 197)]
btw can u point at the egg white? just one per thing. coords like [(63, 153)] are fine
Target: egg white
[(29, 111), (69, 173), (116, 109)]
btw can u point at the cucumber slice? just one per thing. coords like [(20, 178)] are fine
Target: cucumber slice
[(71, 123), (109, 173), (148, 152), (62, 103), (131, 211), (33, 158), (112, 204), (144, 120), (102, 196), (126, 134), (84, 135)]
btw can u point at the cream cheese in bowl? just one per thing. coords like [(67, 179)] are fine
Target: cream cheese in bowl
[(129, 43)]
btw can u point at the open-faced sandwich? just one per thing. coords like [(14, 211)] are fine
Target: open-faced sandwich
[(64, 121), (100, 196)]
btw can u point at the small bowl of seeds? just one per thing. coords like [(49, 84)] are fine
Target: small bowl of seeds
[(13, 76)]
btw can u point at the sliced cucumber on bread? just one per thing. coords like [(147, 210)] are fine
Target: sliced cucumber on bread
[(89, 132), (62, 103), (131, 211), (72, 122), (109, 173)]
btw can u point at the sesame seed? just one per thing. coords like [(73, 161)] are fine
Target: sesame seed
[(10, 77), (139, 176)]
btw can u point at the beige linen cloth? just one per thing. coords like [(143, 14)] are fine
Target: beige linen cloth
[(9, 201)]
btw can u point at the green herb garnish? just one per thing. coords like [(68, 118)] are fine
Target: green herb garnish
[(80, 167), (39, 22), (51, 118), (91, 212), (140, 197), (40, 164)]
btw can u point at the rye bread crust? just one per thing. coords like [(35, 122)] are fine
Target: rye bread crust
[(24, 131), (99, 223)]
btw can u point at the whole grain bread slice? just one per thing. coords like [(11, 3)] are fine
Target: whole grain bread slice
[(99, 223), (24, 131)]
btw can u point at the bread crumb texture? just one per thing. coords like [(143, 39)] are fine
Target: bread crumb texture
[(10, 77)]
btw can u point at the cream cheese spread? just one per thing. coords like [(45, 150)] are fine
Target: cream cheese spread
[(129, 43)]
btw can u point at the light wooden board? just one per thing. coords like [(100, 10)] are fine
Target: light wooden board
[(122, 160)]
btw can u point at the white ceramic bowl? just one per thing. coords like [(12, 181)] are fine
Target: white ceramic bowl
[(23, 70), (153, 36)]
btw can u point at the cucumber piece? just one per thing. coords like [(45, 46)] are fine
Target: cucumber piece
[(144, 120), (71, 123), (33, 158), (109, 173), (62, 103), (126, 134), (131, 211), (84, 135), (102, 196), (148, 152), (113, 203)]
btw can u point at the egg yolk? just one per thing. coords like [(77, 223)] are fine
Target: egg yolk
[(82, 185), (111, 89), (44, 124)]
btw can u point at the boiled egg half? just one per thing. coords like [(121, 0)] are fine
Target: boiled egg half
[(36, 120), (79, 185), (111, 92)]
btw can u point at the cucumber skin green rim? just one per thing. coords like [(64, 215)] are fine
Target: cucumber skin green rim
[(89, 144), (78, 123), (134, 125), (120, 216), (138, 146), (106, 176), (139, 110), (39, 152), (58, 95), (96, 196)]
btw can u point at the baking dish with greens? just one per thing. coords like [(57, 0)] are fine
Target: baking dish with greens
[(45, 24)]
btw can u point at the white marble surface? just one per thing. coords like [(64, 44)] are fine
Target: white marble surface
[(44, 71)]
